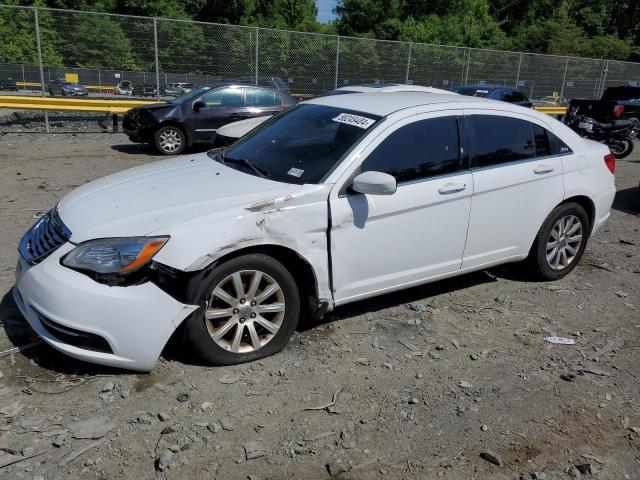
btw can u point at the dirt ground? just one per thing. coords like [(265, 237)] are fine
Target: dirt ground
[(377, 390)]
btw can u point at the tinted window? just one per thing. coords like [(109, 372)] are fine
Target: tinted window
[(227, 97), (421, 149), (472, 92), (542, 141), (261, 98), (514, 96), (301, 145), (557, 146), (497, 140)]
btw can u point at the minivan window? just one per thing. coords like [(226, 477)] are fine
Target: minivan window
[(421, 149), (496, 140), (301, 145)]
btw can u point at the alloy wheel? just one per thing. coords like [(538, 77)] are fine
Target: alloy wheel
[(170, 140), (564, 242), (245, 311)]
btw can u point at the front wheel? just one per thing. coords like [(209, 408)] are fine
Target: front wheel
[(560, 242), (169, 140), (249, 307), (621, 148)]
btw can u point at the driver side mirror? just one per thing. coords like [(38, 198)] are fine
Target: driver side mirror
[(199, 105), (375, 183)]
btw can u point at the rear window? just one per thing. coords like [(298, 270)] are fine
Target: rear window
[(621, 93)]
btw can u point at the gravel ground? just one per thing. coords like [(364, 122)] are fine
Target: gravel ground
[(377, 390)]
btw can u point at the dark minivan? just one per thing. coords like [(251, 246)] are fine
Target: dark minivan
[(195, 116), (495, 92)]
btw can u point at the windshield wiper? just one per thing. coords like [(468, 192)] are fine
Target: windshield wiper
[(261, 172)]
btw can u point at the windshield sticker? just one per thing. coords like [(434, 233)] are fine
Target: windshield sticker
[(295, 172), (355, 120)]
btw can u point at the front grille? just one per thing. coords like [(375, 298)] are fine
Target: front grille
[(43, 238), (77, 338)]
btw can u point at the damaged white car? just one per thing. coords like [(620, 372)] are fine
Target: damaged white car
[(338, 199)]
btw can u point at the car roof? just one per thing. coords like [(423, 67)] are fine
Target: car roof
[(385, 103), (379, 88)]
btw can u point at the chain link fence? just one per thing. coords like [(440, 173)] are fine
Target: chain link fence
[(41, 45)]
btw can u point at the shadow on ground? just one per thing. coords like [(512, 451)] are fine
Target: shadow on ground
[(628, 200)]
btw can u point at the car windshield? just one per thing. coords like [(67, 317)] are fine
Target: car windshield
[(300, 146), (189, 95)]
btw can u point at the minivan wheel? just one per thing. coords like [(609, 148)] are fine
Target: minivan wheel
[(560, 242), (249, 307), (169, 140)]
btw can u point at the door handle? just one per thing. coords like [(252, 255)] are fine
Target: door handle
[(541, 169), (452, 188)]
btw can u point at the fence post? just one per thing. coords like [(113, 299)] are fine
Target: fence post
[(23, 80), (564, 77), (39, 47), (257, 54), (466, 75), (337, 62), (155, 45), (464, 58), (406, 79), (604, 78), (518, 73)]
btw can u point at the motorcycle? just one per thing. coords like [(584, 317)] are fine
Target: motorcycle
[(618, 135)]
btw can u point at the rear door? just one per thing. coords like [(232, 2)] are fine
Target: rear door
[(384, 242), (222, 107), (517, 182)]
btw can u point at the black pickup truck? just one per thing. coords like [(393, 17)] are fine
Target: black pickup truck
[(617, 103)]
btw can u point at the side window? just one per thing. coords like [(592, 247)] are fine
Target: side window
[(514, 96), (496, 140), (261, 98), (418, 150), (557, 146), (498, 95), (227, 97), (542, 141)]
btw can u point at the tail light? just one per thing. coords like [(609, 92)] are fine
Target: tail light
[(610, 162), (617, 110)]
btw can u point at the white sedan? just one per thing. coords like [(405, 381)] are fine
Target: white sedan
[(338, 199)]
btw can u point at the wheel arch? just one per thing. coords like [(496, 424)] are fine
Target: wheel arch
[(299, 267), (586, 203)]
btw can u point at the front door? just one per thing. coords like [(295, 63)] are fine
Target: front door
[(222, 105), (385, 242)]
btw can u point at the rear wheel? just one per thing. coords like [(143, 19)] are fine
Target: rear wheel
[(621, 148), (169, 140), (560, 242), (249, 307)]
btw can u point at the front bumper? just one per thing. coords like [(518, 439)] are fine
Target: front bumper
[(136, 321)]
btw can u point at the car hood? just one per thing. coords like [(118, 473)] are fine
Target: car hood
[(160, 195)]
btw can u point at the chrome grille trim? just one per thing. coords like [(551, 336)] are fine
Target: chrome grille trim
[(43, 238)]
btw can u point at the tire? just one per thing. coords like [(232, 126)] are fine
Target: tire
[(169, 140), (621, 148), (550, 269), (228, 317)]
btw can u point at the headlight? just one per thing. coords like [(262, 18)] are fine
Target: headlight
[(114, 255)]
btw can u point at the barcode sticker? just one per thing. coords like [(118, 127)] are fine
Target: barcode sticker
[(355, 120)]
